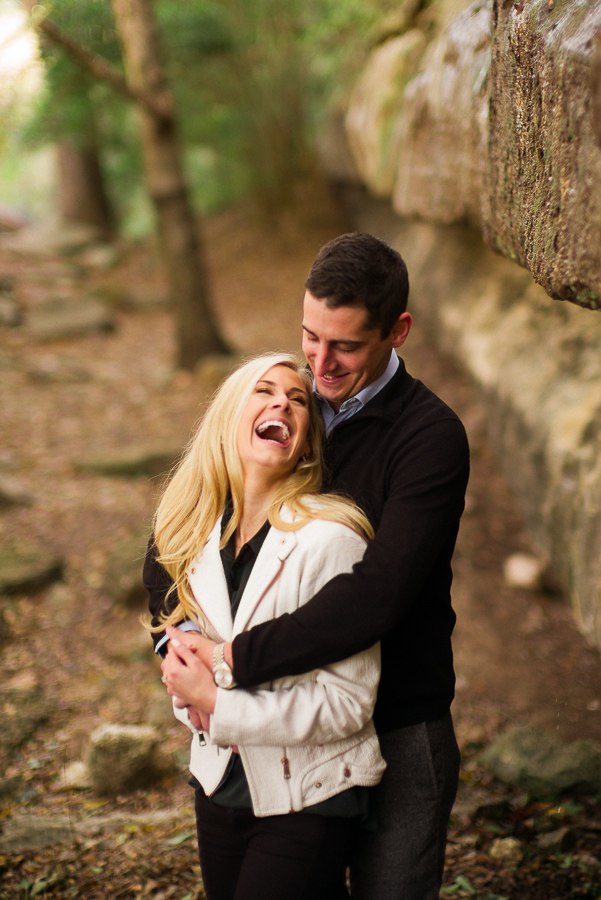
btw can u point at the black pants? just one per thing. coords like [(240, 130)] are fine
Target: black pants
[(291, 857)]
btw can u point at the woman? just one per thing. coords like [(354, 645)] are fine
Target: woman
[(245, 536)]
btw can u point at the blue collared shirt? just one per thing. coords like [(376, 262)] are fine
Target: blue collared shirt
[(351, 406)]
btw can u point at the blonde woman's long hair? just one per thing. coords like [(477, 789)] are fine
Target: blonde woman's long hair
[(210, 471)]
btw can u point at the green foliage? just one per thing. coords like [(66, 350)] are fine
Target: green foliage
[(569, 808), (192, 30), (252, 79), (14, 95), (266, 84), (287, 63), (179, 838), (88, 113), (461, 887), (66, 108)]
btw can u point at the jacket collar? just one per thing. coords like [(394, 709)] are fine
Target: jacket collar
[(207, 581)]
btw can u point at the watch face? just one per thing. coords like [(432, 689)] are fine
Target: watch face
[(223, 678)]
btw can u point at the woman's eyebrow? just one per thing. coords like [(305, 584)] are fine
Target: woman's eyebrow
[(291, 390)]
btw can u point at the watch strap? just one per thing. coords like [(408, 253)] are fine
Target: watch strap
[(220, 664)]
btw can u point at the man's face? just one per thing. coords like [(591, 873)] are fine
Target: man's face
[(344, 355)]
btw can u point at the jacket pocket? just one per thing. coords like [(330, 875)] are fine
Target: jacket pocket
[(358, 764)]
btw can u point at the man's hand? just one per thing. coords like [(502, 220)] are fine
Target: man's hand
[(185, 675)]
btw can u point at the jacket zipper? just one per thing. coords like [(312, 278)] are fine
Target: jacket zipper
[(286, 766)]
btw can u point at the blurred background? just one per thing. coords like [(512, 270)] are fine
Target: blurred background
[(253, 85), (168, 172)]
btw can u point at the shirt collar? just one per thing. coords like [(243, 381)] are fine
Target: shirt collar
[(363, 396), (376, 386)]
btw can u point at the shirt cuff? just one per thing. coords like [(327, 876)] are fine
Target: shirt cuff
[(183, 626)]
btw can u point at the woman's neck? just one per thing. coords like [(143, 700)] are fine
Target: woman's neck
[(257, 500)]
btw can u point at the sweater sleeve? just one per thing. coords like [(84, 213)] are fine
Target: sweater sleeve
[(158, 583), (337, 703), (420, 519)]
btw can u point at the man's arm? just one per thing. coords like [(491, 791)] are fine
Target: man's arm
[(327, 705), (353, 611), (336, 703)]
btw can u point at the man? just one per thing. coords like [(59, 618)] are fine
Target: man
[(401, 454)]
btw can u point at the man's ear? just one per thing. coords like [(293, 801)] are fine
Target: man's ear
[(400, 329)]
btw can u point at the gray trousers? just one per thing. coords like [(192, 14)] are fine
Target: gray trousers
[(404, 859)]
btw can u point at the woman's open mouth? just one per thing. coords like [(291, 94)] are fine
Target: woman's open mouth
[(275, 431)]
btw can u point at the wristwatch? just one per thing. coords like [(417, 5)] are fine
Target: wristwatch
[(222, 671)]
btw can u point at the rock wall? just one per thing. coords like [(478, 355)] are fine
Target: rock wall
[(480, 129), (542, 196)]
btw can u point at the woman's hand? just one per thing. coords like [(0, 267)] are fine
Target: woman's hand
[(203, 647), (195, 642), (199, 720), (185, 675)]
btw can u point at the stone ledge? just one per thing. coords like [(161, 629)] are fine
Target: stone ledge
[(27, 831), (542, 190), (491, 116)]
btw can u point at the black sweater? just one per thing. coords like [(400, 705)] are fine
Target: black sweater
[(404, 460)]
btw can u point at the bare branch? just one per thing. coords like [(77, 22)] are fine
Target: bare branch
[(96, 65)]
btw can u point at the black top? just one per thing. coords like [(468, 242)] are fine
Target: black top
[(233, 790), (237, 569)]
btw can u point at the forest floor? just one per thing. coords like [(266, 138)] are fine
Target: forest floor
[(519, 658)]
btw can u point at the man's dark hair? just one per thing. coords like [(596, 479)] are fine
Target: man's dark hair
[(361, 270)]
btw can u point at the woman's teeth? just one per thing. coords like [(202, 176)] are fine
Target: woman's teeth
[(282, 432)]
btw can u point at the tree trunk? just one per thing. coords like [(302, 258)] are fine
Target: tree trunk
[(197, 331), (81, 193)]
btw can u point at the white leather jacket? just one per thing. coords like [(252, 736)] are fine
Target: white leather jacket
[(301, 739)]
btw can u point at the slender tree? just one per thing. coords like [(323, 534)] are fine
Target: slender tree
[(82, 195), (179, 230), (184, 252)]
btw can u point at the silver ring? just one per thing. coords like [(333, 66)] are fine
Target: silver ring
[(164, 680)]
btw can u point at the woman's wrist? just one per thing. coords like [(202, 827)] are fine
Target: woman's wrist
[(209, 699), (222, 671)]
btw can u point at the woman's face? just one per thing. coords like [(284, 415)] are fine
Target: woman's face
[(273, 427)]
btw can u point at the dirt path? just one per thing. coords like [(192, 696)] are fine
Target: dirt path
[(519, 657)]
